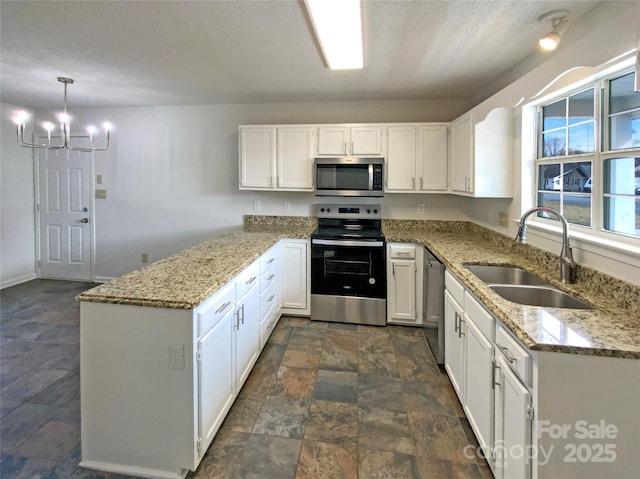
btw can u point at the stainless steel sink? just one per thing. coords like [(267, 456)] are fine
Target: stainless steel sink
[(520, 286), (538, 296), (505, 275)]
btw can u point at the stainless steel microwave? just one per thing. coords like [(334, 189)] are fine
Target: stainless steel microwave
[(349, 176)]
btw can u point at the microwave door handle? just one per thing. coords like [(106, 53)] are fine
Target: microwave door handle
[(370, 176)]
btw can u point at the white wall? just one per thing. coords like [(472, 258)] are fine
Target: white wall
[(171, 173), (17, 216)]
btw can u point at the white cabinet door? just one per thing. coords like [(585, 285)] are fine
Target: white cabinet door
[(295, 158), (462, 154), (432, 159), (216, 379), (454, 350), (512, 424), (479, 387), (343, 140), (295, 289), (402, 291), (247, 334), (257, 157), (366, 140), (401, 158), (333, 140)]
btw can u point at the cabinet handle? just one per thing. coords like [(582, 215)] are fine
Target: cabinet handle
[(223, 307), (243, 314), (251, 280), (413, 183), (352, 147), (455, 323), (495, 383), (504, 350), (271, 261), (271, 298), (345, 147), (237, 319), (421, 183), (271, 277), (403, 253), (393, 269), (460, 333)]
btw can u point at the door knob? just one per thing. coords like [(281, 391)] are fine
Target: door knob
[(84, 220)]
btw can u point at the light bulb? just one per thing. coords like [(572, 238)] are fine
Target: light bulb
[(64, 118), (47, 125), (91, 129), (20, 118), (107, 126), (550, 41)]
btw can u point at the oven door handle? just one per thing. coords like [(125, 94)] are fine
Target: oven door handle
[(365, 244)]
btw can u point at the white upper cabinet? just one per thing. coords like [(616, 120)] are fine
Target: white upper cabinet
[(482, 155), (416, 158), (339, 140), (276, 157), (257, 157), (295, 158)]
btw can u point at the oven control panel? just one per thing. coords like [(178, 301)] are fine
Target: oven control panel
[(349, 211)]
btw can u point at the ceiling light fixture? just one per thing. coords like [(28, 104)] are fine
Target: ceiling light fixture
[(65, 120), (338, 27), (559, 24)]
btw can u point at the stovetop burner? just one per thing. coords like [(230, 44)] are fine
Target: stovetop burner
[(362, 222)]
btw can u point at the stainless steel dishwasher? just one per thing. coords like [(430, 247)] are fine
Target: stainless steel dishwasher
[(433, 310)]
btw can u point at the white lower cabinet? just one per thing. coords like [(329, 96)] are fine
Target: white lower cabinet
[(296, 281), (404, 283), (247, 324), (454, 332), (512, 424), (216, 378)]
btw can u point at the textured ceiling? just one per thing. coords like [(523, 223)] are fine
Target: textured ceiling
[(125, 53)]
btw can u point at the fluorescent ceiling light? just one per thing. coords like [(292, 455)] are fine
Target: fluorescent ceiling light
[(338, 27)]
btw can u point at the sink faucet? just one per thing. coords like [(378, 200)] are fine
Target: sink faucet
[(567, 264)]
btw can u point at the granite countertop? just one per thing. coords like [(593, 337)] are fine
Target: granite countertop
[(609, 329), (185, 279)]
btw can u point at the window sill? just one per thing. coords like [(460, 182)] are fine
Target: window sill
[(626, 247)]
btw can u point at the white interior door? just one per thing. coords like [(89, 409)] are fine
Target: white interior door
[(65, 214)]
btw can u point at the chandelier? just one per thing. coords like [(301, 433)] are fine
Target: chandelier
[(65, 130)]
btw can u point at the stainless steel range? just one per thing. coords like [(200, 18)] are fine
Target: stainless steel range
[(348, 265)]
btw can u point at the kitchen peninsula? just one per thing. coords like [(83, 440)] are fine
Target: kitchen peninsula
[(132, 394)]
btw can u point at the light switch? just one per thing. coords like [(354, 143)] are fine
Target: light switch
[(99, 179)]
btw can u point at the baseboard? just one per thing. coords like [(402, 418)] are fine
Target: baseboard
[(103, 279), (18, 280)]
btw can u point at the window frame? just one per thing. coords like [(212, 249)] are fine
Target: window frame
[(596, 232)]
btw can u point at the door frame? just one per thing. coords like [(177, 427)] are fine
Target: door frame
[(36, 206)]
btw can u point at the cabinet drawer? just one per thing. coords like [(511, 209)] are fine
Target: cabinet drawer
[(482, 318), (271, 277), (402, 251), (269, 299), (247, 280), (454, 287), (214, 309), (517, 356), (268, 260)]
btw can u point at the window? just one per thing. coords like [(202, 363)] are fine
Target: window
[(592, 179)]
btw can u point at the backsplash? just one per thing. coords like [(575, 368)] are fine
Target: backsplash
[(253, 220)]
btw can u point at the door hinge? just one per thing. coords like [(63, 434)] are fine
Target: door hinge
[(530, 412), (199, 445), (39, 264), (198, 355), (38, 207)]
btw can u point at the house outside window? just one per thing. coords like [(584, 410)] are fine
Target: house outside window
[(588, 162)]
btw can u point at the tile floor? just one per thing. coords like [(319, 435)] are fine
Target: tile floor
[(325, 400)]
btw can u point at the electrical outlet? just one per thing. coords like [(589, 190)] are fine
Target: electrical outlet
[(101, 194), (176, 356), (421, 209), (503, 219), (286, 206), (256, 205), (145, 257)]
